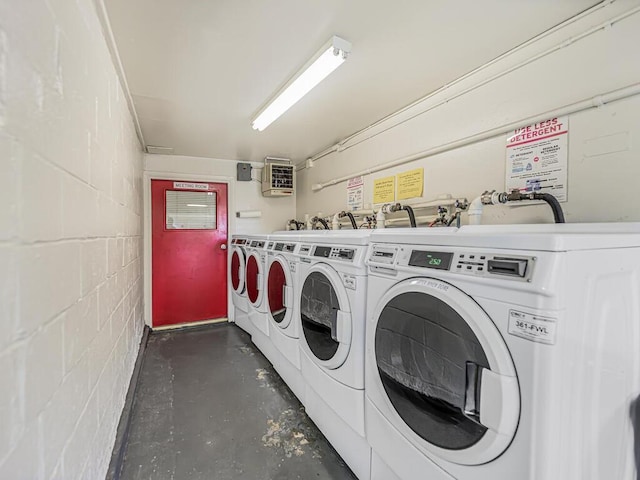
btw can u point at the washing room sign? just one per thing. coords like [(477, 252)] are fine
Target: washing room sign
[(537, 158)]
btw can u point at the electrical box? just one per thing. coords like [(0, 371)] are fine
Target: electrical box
[(243, 171), (277, 177)]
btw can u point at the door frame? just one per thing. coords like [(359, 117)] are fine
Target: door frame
[(147, 233)]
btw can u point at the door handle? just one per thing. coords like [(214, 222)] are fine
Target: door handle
[(223, 246)]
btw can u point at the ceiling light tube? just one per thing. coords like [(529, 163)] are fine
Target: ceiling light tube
[(325, 61)]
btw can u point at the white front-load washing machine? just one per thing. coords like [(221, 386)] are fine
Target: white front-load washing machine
[(237, 267), (332, 302), (284, 326), (504, 352), (255, 278)]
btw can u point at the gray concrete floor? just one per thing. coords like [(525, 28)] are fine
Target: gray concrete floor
[(210, 406)]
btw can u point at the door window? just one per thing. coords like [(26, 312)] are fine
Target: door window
[(251, 279), (425, 352), (276, 283), (190, 210), (319, 308), (235, 270)]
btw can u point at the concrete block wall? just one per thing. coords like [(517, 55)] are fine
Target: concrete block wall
[(70, 242)]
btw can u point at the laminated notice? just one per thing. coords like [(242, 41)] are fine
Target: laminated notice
[(535, 328)]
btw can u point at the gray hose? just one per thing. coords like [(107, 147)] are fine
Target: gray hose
[(412, 216), (558, 214), (353, 220), (324, 223)]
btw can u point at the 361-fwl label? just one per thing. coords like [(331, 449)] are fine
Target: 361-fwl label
[(535, 328)]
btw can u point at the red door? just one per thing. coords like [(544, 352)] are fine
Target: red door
[(189, 259)]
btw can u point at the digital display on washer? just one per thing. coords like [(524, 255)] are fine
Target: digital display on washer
[(323, 252), (426, 259), (279, 247)]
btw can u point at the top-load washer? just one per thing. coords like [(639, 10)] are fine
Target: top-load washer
[(282, 311), (504, 352), (332, 301), (237, 267)]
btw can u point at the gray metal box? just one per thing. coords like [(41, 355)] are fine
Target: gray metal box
[(243, 172)]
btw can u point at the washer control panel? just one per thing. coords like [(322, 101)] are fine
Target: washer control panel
[(334, 253), (343, 254), (480, 263), (284, 247), (516, 267)]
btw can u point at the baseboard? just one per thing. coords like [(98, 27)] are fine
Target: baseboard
[(122, 435), (190, 324)]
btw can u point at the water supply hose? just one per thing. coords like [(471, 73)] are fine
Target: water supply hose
[(558, 214), (353, 220), (324, 223), (412, 216), (552, 201)]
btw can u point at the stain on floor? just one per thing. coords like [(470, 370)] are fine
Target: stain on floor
[(210, 406)]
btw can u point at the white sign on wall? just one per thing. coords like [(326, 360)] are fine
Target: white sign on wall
[(537, 158), (355, 193), (190, 186)]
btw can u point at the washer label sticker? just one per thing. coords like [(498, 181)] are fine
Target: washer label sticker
[(349, 281), (292, 267), (534, 328)]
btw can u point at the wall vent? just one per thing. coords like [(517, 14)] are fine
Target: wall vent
[(277, 177)]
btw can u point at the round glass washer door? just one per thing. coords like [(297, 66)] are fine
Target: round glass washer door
[(280, 292), (254, 279), (325, 316), (446, 371), (238, 260)]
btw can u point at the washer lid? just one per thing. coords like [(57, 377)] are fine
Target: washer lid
[(446, 371), (542, 237), (237, 268), (325, 316)]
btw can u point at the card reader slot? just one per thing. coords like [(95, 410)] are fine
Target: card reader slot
[(514, 267)]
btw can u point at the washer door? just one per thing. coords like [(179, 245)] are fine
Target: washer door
[(238, 261), (325, 316), (446, 371), (254, 279), (280, 292)]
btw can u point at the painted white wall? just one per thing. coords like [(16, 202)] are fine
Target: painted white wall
[(70, 242), (245, 195), (567, 65)]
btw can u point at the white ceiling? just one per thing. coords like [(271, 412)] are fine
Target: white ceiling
[(198, 70)]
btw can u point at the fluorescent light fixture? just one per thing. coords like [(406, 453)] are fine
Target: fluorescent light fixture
[(195, 205), (325, 61)]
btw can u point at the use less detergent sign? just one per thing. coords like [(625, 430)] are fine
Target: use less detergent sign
[(537, 158)]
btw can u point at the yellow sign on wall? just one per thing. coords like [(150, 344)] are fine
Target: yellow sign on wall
[(384, 190), (410, 184)]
